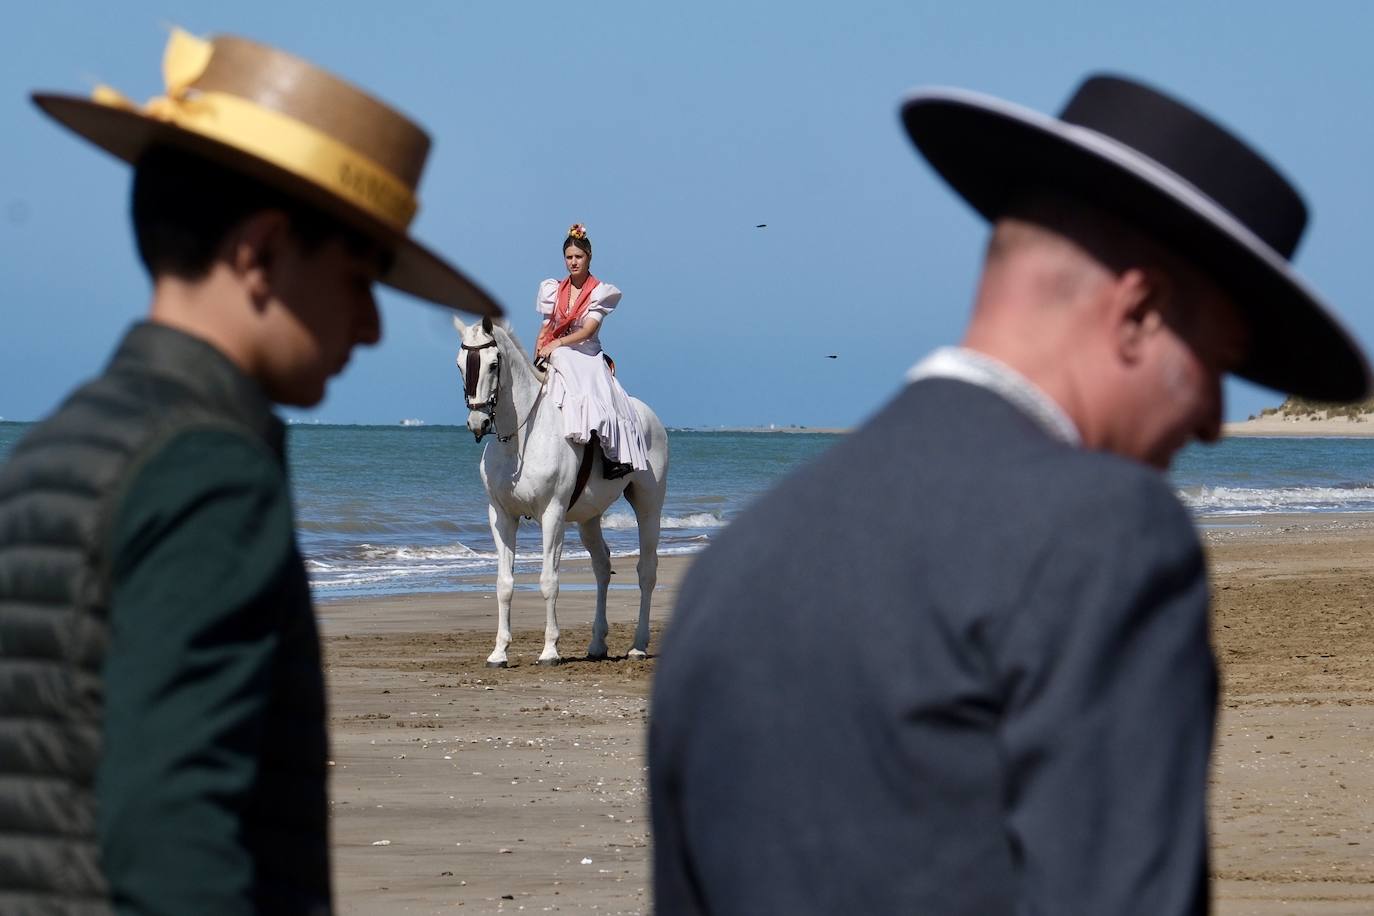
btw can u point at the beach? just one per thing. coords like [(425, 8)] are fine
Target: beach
[(1307, 426), (459, 786)]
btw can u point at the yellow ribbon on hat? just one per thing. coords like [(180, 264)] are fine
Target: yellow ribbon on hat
[(270, 135)]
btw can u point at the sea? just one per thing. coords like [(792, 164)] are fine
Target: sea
[(389, 510)]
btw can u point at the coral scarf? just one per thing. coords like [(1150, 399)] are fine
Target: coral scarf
[(566, 313)]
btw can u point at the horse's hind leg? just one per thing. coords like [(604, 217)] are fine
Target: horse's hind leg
[(647, 502), (503, 528), (595, 543)]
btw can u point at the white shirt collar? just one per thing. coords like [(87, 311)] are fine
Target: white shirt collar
[(982, 370)]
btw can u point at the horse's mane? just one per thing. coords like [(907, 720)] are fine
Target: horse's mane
[(503, 326)]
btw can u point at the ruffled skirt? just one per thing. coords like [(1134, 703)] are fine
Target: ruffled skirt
[(590, 399)]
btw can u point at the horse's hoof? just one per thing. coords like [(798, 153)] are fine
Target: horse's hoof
[(497, 665), (637, 656), (550, 662), (601, 657)]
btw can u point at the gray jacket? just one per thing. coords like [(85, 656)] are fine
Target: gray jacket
[(954, 666)]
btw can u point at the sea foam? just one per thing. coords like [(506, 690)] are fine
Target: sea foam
[(1222, 500), (625, 520)]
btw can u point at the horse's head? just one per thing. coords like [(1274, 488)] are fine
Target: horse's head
[(479, 361)]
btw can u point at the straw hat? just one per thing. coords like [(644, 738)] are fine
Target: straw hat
[(294, 127), (1173, 173)]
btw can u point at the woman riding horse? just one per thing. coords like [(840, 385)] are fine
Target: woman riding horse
[(592, 403)]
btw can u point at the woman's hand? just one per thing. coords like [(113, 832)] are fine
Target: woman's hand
[(567, 340)]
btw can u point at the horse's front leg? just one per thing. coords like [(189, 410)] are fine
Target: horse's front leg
[(551, 527), (503, 528), (595, 542)]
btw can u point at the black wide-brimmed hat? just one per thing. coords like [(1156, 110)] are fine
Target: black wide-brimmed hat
[(1176, 175), (294, 127)]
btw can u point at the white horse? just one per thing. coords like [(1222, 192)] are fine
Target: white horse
[(531, 470)]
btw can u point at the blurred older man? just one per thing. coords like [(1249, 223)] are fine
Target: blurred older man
[(961, 664)]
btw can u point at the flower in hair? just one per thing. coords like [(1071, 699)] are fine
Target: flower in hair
[(577, 231)]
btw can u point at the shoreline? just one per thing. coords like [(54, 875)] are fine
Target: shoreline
[(575, 577), (477, 605), (576, 574)]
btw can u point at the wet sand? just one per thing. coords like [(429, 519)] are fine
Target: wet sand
[(455, 786)]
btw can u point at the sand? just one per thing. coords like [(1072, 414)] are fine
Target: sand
[(493, 790), (1304, 427), (1293, 778), (524, 789)]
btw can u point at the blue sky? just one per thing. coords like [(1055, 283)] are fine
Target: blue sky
[(670, 130)]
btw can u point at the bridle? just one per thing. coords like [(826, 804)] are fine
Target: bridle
[(470, 374), (472, 369)]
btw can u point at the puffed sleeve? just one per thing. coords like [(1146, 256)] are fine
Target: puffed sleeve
[(547, 298), (604, 300)]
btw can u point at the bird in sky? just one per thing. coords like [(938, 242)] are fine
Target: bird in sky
[(761, 226), (833, 356)]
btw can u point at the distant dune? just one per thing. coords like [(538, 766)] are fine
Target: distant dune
[(1299, 417)]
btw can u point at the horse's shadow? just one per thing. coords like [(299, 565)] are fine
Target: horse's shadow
[(580, 663)]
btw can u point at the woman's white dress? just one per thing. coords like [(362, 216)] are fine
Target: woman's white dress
[(581, 385)]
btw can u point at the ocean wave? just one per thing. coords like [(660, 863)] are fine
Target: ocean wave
[(374, 526), (624, 520), (1253, 500), (676, 550), (454, 551), (399, 560)]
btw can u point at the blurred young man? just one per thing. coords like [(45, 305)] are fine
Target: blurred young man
[(163, 725)]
